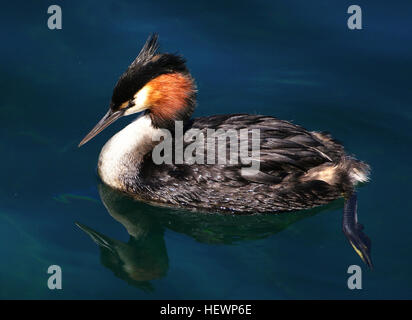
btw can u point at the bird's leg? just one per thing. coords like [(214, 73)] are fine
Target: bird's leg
[(353, 230)]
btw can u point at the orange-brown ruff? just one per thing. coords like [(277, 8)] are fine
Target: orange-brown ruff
[(168, 93), (298, 169)]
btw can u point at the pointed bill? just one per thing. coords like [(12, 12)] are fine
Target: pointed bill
[(108, 119)]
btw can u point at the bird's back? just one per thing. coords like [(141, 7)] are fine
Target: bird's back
[(291, 163)]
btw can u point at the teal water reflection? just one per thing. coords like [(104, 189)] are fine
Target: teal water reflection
[(144, 257)]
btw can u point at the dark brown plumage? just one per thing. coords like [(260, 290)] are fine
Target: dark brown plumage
[(287, 153)]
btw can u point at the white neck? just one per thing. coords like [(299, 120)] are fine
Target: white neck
[(123, 153)]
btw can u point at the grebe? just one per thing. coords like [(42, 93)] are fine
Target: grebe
[(298, 169)]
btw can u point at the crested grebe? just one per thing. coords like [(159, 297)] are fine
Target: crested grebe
[(298, 169)]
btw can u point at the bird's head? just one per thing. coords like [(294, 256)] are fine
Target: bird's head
[(158, 83)]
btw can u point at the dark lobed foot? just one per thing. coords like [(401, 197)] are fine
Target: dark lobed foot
[(354, 230)]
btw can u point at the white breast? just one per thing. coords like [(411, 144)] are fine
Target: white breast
[(125, 150)]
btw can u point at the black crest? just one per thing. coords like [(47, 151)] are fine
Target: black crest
[(148, 65)]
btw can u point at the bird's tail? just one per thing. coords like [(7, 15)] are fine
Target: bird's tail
[(358, 171)]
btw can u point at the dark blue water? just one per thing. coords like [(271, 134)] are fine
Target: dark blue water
[(295, 60)]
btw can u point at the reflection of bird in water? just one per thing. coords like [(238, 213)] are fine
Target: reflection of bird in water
[(137, 261), (144, 257), (298, 169)]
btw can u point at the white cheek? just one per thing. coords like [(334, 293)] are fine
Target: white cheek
[(140, 101)]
